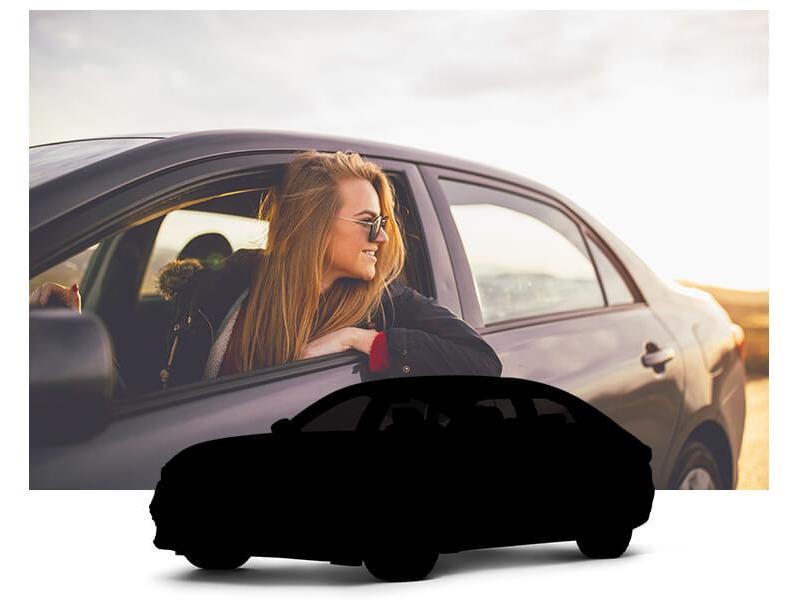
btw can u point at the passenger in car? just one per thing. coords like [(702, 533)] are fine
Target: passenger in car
[(326, 282)]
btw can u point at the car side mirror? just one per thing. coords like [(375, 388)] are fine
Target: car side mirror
[(282, 426), (71, 376)]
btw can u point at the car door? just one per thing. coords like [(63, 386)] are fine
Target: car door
[(557, 305), (146, 430)]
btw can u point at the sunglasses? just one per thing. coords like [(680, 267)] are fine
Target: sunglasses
[(374, 226)]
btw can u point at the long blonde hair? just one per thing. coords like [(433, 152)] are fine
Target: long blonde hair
[(286, 308)]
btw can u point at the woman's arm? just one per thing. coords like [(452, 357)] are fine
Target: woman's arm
[(426, 338)]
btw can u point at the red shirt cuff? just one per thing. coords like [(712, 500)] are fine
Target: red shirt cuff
[(378, 355)]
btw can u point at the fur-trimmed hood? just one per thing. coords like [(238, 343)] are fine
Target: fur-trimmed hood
[(175, 275), (182, 274)]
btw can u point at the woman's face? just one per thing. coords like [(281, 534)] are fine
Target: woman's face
[(350, 241)]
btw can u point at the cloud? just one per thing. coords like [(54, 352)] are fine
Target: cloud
[(623, 111), (275, 66)]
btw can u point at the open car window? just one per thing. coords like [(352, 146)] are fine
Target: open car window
[(67, 272), (208, 222)]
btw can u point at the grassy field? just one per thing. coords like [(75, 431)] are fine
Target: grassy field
[(750, 310)]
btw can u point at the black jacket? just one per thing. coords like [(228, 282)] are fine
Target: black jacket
[(423, 338)]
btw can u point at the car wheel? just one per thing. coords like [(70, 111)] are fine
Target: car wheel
[(696, 469), (400, 562), (216, 560), (609, 542)]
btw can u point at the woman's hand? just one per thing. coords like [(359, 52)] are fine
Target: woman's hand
[(53, 293), (340, 341), (335, 341)]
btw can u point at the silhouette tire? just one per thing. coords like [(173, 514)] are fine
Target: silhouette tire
[(216, 560), (605, 543), (400, 562), (697, 469)]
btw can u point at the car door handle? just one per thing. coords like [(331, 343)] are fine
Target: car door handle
[(656, 357)]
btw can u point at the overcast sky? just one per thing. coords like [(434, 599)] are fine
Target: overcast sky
[(656, 123)]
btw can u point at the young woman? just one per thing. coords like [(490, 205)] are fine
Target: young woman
[(326, 282)]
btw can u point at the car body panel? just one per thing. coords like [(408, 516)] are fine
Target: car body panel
[(598, 358), (130, 452)]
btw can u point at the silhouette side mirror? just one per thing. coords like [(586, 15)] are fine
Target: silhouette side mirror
[(282, 426)]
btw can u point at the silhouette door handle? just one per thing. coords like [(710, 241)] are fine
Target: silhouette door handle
[(656, 357)]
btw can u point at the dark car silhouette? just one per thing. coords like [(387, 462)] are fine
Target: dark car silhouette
[(393, 472)]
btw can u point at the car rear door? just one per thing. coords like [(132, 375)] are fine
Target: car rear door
[(557, 305)]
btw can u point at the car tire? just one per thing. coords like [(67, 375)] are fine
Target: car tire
[(605, 542), (696, 469), (216, 560), (400, 562)]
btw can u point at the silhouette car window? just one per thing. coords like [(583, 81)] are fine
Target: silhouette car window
[(554, 412), (505, 405), (342, 416), (403, 409)]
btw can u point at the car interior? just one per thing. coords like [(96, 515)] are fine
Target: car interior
[(118, 283)]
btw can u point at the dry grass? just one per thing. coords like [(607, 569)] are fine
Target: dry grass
[(753, 461)]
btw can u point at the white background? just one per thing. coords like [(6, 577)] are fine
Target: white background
[(697, 544)]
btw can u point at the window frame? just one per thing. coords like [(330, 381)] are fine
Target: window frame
[(616, 263), (464, 278)]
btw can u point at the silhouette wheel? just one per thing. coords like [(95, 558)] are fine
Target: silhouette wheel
[(400, 563), (216, 559), (605, 543)]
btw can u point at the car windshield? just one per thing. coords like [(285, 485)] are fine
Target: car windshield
[(53, 160)]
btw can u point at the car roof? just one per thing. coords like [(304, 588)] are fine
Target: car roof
[(221, 141), (70, 190)]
